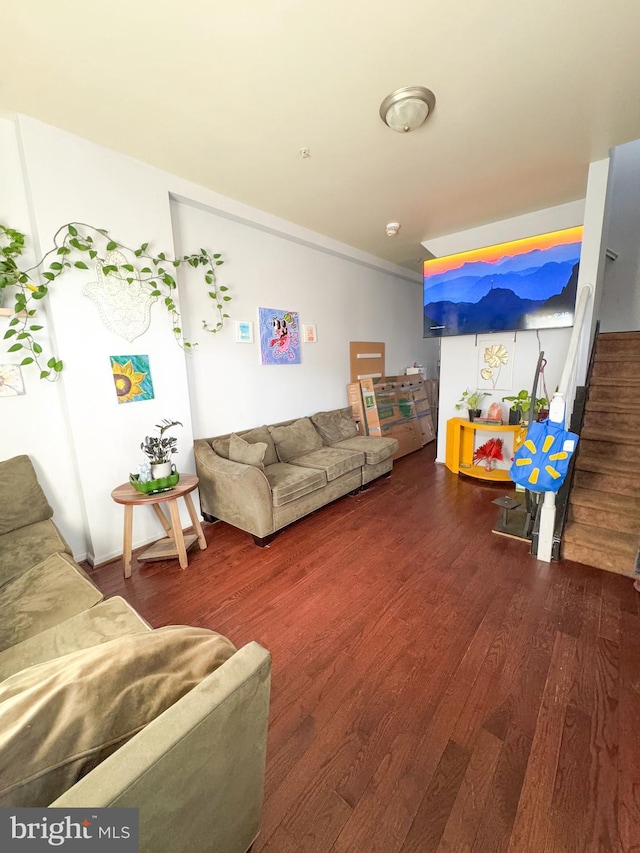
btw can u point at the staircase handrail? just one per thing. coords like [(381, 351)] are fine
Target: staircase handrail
[(557, 414)]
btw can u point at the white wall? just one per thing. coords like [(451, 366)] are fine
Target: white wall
[(347, 300), (35, 423), (84, 442), (459, 356), (620, 304)]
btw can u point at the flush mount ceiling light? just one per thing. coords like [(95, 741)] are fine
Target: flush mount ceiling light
[(408, 108)]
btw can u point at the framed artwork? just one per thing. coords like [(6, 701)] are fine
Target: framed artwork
[(11, 382), (132, 378), (310, 334), (495, 363), (244, 332), (279, 336)]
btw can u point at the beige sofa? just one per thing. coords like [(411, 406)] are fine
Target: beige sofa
[(99, 710), (263, 479)]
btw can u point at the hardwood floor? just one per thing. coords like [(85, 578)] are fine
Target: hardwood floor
[(435, 688)]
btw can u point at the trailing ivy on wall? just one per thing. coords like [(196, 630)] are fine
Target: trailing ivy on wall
[(73, 245)]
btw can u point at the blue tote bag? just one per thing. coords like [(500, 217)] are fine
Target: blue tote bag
[(540, 464)]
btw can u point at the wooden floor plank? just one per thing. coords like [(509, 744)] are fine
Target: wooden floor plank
[(532, 824), (468, 809), (434, 687), (629, 771)]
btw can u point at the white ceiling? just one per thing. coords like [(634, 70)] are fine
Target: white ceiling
[(528, 94)]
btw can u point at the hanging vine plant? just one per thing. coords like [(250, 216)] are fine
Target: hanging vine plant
[(74, 244)]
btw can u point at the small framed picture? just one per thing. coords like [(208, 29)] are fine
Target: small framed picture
[(244, 332), (310, 334)]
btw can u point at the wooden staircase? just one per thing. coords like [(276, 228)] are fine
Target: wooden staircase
[(603, 526)]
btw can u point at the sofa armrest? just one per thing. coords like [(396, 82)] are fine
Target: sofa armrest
[(233, 492), (196, 773)]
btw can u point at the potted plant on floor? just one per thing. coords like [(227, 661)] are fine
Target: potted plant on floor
[(160, 448), (471, 401)]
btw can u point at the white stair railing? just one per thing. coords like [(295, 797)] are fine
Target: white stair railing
[(559, 409)]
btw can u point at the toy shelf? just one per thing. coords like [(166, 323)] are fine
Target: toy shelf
[(461, 445)]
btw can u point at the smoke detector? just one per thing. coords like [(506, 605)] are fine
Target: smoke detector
[(392, 228)]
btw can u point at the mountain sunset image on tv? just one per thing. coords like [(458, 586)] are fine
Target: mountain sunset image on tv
[(524, 284)]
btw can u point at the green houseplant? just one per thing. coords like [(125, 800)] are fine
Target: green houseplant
[(471, 400), (160, 448), (75, 245), (521, 406)]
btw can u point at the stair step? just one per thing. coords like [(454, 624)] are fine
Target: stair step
[(615, 373), (599, 559), (624, 422), (606, 502), (618, 349), (613, 393), (622, 544), (607, 521), (626, 453), (599, 432), (612, 483), (620, 406), (604, 464)]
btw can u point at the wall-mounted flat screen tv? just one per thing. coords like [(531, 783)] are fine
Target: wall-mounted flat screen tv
[(525, 284)]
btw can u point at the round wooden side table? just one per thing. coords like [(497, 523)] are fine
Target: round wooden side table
[(175, 544)]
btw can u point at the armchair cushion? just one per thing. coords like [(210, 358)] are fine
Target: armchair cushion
[(27, 546), (295, 439), (43, 596), (22, 501), (60, 719), (336, 425)]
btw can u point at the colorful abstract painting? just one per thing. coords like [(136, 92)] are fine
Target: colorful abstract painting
[(525, 284), (132, 378), (279, 336)]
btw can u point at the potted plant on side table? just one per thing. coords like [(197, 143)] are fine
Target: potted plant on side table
[(521, 405), (471, 401), (160, 448)]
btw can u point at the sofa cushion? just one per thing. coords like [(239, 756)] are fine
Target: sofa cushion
[(295, 439), (22, 501), (375, 449), (262, 433), (289, 482), (259, 434), (332, 460), (27, 546), (221, 446), (247, 452), (102, 622), (44, 595), (336, 425), (60, 719)]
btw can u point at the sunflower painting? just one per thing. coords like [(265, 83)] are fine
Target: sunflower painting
[(132, 378)]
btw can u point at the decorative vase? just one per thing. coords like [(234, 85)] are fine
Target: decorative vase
[(162, 469), (474, 413)]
